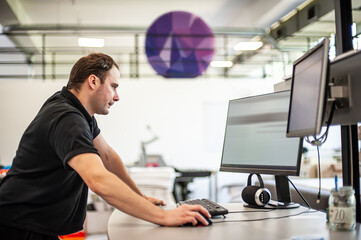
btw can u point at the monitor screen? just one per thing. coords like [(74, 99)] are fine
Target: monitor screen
[(308, 92), (255, 138)]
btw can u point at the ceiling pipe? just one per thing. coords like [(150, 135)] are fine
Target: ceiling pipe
[(61, 29)]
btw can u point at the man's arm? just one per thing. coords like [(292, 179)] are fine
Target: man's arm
[(118, 194), (113, 162)]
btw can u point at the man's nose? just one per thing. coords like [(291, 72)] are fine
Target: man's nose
[(116, 97)]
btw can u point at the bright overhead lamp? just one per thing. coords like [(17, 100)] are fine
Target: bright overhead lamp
[(222, 64), (91, 42), (247, 46)]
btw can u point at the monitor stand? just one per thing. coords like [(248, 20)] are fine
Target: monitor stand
[(283, 193)]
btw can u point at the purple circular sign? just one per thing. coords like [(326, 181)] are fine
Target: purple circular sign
[(179, 45)]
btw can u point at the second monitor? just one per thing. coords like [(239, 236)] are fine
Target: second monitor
[(308, 92)]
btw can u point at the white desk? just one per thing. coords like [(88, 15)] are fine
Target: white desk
[(123, 226)]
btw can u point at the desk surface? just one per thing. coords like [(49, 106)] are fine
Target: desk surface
[(123, 226)]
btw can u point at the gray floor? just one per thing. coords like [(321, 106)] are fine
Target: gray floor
[(97, 237)]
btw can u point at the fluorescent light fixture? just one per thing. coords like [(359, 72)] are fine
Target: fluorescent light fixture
[(247, 46), (222, 64), (91, 42)]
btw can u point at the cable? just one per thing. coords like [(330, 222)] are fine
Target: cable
[(318, 141), (252, 211), (319, 176), (269, 218), (299, 193)]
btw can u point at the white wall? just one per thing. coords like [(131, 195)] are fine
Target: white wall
[(19, 103), (187, 115)]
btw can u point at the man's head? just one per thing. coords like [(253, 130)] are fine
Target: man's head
[(94, 80), (95, 63)]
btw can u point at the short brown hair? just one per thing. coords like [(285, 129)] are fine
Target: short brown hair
[(95, 63)]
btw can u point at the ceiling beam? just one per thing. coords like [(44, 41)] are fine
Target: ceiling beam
[(13, 13), (300, 17)]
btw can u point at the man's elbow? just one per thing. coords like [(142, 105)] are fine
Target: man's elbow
[(97, 183)]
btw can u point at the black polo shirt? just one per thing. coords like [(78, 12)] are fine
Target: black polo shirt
[(41, 192)]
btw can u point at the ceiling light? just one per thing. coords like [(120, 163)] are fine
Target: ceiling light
[(91, 42), (222, 64), (247, 46)]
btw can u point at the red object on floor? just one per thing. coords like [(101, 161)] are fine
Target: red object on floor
[(74, 236)]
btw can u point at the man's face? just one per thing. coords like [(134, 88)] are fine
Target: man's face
[(106, 94)]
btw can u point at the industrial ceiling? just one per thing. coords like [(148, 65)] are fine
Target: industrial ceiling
[(39, 37)]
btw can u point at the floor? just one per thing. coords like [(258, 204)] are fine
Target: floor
[(97, 237)]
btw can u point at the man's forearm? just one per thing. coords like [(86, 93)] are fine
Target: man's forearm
[(115, 165), (125, 199), (113, 162)]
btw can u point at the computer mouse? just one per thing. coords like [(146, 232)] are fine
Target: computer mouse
[(199, 224)]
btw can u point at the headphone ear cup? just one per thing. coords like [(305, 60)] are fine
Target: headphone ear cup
[(256, 196)]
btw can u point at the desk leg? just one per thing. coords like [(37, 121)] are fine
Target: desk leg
[(213, 193), (180, 191), (210, 195)]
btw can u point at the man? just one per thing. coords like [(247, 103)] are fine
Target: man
[(62, 153)]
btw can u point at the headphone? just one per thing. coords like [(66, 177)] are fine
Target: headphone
[(256, 196)]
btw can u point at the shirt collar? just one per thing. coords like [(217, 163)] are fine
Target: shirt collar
[(76, 103)]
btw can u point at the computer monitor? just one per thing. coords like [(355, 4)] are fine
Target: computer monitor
[(308, 92), (255, 140)]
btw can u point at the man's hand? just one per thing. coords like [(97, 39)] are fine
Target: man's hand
[(155, 201), (185, 214)]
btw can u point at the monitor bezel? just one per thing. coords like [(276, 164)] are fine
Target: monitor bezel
[(277, 170), (321, 103)]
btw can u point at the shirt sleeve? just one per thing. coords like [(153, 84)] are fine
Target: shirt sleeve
[(72, 135), (96, 129)]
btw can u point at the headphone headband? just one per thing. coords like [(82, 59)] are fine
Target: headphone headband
[(249, 182)]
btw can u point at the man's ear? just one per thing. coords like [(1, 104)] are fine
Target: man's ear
[(92, 81)]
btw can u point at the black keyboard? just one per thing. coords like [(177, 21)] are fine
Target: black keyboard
[(213, 208)]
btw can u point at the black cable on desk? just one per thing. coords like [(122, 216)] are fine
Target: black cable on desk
[(252, 211), (268, 218)]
